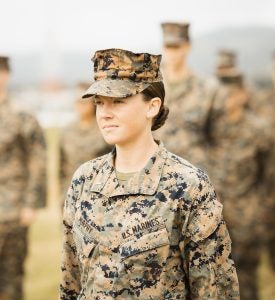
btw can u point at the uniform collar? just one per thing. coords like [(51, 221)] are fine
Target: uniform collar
[(144, 182)]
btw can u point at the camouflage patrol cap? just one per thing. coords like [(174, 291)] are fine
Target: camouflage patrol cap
[(226, 59), (175, 33), (4, 63), (121, 73)]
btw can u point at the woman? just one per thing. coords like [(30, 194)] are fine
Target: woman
[(140, 222)]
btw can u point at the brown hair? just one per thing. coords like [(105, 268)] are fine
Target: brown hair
[(156, 89)]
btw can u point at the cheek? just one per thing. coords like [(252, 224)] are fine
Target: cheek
[(97, 115)]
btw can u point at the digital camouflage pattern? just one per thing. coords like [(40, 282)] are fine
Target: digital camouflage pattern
[(184, 130), (22, 184), (237, 152), (13, 252), (78, 145), (22, 161), (122, 73), (175, 33), (162, 237)]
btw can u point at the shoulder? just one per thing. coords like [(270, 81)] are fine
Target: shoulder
[(88, 170), (199, 201), (198, 81), (185, 172), (26, 118)]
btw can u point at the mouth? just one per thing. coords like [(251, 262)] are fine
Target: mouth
[(109, 126)]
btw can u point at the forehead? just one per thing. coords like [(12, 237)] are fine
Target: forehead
[(105, 98)]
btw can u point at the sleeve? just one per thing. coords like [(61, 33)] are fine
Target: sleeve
[(207, 248), (70, 286), (63, 169), (35, 149), (198, 123)]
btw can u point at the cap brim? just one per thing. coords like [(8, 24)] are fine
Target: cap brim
[(115, 88), (232, 72)]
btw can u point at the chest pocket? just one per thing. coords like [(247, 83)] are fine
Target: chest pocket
[(142, 261), (87, 252)]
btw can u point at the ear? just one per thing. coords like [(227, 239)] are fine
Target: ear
[(153, 107)]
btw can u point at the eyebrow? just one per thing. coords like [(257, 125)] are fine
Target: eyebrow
[(95, 97)]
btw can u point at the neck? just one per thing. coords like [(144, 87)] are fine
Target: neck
[(134, 156), (176, 72)]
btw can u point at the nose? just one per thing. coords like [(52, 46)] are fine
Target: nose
[(105, 110)]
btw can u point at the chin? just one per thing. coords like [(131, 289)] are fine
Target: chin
[(111, 140), (114, 141)]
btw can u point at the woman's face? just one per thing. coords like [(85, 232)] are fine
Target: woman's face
[(4, 79), (176, 54), (123, 120)]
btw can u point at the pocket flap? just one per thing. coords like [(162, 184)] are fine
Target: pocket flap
[(88, 247), (84, 243), (144, 243)]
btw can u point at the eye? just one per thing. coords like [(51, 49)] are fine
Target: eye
[(97, 101), (118, 101)]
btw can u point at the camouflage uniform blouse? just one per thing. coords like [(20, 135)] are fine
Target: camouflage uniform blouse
[(162, 237), (238, 163), (22, 163)]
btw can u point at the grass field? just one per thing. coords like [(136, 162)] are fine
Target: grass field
[(42, 268)]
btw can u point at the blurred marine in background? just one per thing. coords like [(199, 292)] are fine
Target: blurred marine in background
[(239, 146), (186, 97), (80, 141), (22, 186)]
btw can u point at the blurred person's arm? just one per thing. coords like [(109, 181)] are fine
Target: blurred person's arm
[(63, 171), (35, 153)]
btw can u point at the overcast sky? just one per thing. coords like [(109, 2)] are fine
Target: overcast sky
[(35, 25)]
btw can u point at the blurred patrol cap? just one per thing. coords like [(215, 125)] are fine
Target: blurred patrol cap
[(121, 73), (226, 59), (4, 63), (226, 65), (175, 33)]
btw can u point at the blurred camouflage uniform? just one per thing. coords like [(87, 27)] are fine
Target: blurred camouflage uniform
[(238, 146), (22, 184), (78, 145), (162, 236), (183, 133), (266, 108)]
